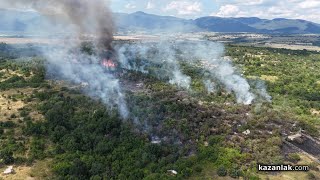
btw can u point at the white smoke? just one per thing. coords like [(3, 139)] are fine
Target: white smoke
[(85, 69), (210, 55), (87, 18), (261, 90), (94, 18), (209, 85), (207, 54), (140, 56)]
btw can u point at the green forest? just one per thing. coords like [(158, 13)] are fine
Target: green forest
[(201, 135)]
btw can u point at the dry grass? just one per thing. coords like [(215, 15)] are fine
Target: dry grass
[(38, 171), (269, 78), (8, 106), (315, 112), (293, 47), (21, 173), (9, 73), (11, 102), (29, 40), (41, 170)]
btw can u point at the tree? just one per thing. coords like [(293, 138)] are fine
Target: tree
[(6, 156)]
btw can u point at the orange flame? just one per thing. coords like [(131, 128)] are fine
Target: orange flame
[(108, 63)]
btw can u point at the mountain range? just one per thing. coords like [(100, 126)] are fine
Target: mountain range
[(12, 20)]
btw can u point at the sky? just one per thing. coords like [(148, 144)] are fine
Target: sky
[(268, 9)]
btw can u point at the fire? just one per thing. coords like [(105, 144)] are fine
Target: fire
[(108, 63)]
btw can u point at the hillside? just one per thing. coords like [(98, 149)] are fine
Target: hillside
[(217, 24), (30, 21), (143, 21), (14, 22), (49, 129)]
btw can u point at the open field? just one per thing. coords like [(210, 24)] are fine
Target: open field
[(309, 42), (296, 42), (293, 47), (286, 46), (27, 40)]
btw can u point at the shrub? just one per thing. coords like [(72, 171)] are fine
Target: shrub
[(313, 166), (6, 156), (13, 116), (311, 176), (198, 168), (7, 124), (186, 172), (254, 177), (294, 157), (222, 171), (24, 113), (234, 172)]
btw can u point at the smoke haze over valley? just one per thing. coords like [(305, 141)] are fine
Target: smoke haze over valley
[(89, 18), (92, 89)]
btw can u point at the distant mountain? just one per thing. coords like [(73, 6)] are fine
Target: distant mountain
[(141, 20), (282, 25), (27, 22), (257, 25), (11, 20), (218, 24)]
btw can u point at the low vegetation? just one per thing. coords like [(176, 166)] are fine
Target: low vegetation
[(59, 132)]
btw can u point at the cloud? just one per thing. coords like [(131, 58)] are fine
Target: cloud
[(227, 11), (269, 9), (150, 5), (310, 4), (184, 7), (130, 6)]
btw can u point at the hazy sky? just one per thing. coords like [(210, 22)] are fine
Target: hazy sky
[(294, 9)]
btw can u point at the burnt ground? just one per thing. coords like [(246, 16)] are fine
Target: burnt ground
[(287, 149), (134, 86), (308, 145)]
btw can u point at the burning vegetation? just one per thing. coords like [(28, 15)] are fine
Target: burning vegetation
[(190, 107), (168, 127), (101, 64), (109, 60)]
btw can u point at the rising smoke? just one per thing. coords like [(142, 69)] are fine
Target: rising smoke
[(163, 55), (209, 85), (87, 18), (208, 55), (92, 18)]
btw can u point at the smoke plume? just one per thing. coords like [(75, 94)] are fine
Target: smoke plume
[(209, 55), (162, 55), (92, 19), (85, 70), (87, 18)]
